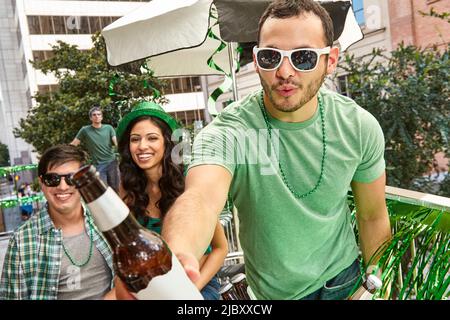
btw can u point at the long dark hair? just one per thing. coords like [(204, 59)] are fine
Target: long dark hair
[(134, 181)]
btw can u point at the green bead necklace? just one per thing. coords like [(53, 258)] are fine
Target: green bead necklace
[(90, 250), (322, 165)]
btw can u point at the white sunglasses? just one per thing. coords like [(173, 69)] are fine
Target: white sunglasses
[(304, 59)]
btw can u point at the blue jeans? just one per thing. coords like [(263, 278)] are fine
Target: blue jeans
[(109, 173), (339, 287), (211, 290)]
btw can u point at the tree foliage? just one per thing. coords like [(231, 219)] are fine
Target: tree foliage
[(4, 155), (85, 79), (408, 92)]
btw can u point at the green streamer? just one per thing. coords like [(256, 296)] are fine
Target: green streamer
[(4, 171), (112, 83), (147, 84), (227, 84), (11, 203), (426, 275)]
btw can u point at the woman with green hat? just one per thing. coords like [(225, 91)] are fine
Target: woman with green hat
[(151, 181)]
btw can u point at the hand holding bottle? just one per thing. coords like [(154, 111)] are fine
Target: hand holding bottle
[(189, 263), (368, 288), (142, 259)]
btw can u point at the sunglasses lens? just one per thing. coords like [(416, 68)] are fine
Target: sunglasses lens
[(51, 179), (268, 59), (69, 180), (304, 59)]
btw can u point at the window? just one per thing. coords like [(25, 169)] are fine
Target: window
[(46, 24), (94, 24), (358, 8), (84, 26), (342, 86), (43, 89), (180, 85), (187, 118), (105, 21), (33, 24), (59, 23), (67, 24), (42, 55)]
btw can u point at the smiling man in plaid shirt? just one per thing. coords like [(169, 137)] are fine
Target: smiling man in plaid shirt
[(58, 253)]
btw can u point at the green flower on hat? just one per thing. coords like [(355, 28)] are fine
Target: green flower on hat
[(146, 108)]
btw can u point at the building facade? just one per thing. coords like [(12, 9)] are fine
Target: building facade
[(15, 93), (410, 25)]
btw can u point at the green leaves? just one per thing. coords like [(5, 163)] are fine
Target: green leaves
[(408, 92), (4, 155), (415, 263)]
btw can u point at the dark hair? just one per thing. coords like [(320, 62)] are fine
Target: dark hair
[(93, 109), (283, 9), (60, 154), (134, 181)]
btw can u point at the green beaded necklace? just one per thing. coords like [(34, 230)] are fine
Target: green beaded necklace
[(322, 165), (90, 250)]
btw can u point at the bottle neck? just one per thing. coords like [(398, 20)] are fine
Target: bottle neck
[(92, 190)]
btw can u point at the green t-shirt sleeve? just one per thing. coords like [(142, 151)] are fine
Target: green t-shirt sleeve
[(214, 145), (112, 132), (372, 163)]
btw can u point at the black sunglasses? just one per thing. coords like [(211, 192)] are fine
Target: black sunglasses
[(54, 179), (305, 59)]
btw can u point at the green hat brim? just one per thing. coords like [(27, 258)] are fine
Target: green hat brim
[(128, 118)]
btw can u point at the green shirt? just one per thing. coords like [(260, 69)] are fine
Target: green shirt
[(98, 142), (32, 263), (291, 246)]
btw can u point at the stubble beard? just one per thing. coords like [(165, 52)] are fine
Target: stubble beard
[(311, 90)]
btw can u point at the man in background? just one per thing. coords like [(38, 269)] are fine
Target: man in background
[(99, 140)]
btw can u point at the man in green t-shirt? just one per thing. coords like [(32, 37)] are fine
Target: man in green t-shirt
[(287, 155), (99, 140)]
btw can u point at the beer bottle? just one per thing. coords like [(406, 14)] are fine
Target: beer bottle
[(368, 288), (142, 260), (227, 292), (240, 285)]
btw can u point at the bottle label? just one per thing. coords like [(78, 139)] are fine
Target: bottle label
[(108, 210), (174, 285)]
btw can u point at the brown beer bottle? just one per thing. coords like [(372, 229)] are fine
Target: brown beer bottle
[(240, 285), (227, 292), (142, 260)]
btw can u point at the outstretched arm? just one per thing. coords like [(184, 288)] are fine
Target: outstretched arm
[(212, 262), (372, 216), (189, 225)]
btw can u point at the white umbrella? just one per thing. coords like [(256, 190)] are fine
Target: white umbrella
[(174, 33)]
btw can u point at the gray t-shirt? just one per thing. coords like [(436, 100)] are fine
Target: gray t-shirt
[(90, 282)]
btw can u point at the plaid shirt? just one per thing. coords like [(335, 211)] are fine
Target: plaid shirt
[(33, 259)]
